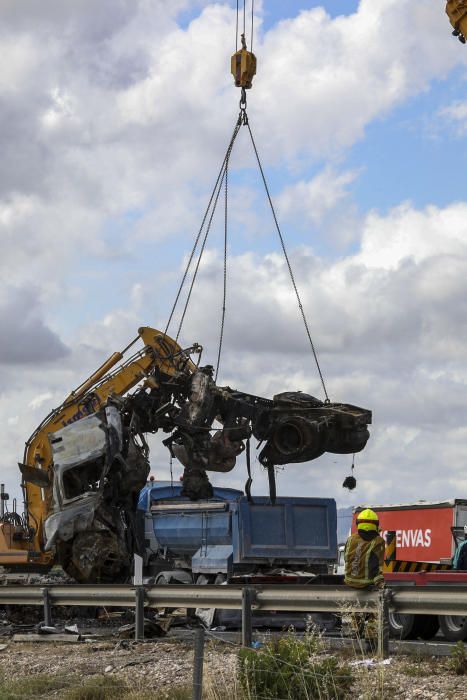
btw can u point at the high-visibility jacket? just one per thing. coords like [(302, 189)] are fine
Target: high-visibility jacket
[(363, 560)]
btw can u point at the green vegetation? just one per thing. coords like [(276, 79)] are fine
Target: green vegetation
[(288, 668), (458, 660), (98, 688), (73, 687), (37, 686)]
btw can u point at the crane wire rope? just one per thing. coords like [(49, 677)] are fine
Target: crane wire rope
[(287, 260), (200, 231), (214, 199), (222, 180), (221, 334), (252, 22)]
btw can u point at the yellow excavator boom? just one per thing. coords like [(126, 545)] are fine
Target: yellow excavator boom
[(23, 542)]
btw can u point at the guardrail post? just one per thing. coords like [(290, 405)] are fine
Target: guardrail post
[(198, 664), (47, 607), (383, 636), (139, 613), (248, 595)]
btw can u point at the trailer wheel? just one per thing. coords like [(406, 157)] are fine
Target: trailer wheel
[(453, 627), (401, 626), (426, 626)]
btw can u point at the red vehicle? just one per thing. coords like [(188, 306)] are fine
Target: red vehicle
[(426, 537), (423, 529)]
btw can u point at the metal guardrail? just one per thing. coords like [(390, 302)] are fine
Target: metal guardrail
[(429, 600), (440, 600)]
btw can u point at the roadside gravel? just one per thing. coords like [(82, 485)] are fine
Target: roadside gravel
[(161, 666)]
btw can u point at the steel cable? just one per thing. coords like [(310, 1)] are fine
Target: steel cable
[(195, 245), (222, 179), (221, 334), (292, 278), (252, 21), (215, 195)]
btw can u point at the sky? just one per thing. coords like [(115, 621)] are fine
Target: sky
[(115, 118)]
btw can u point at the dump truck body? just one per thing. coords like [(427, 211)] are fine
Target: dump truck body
[(229, 535)]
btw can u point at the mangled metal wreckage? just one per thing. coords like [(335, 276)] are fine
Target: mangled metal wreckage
[(100, 462)]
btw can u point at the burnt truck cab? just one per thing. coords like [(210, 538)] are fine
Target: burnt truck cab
[(98, 470), (79, 452)]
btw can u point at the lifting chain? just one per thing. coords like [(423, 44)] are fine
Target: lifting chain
[(243, 116)]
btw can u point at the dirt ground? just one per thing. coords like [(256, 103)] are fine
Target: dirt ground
[(165, 667)]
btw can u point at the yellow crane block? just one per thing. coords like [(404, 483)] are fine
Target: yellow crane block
[(243, 66), (457, 13)]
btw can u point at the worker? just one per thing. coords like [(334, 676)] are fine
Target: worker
[(460, 558), (364, 553)]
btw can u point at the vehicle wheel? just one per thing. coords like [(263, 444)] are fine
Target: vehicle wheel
[(401, 626), (426, 626), (453, 627)]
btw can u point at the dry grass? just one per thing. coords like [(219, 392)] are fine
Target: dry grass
[(37, 686)]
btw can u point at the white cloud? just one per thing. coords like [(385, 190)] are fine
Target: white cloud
[(39, 400), (25, 337), (111, 107), (456, 115), (341, 74), (389, 322), (310, 201)]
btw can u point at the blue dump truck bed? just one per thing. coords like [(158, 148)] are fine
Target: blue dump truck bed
[(227, 534)]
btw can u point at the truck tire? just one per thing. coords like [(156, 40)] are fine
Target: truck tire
[(426, 626), (453, 627), (401, 626)]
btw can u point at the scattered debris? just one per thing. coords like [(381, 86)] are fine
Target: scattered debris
[(71, 629), (371, 662), (61, 638), (44, 629), (152, 629)]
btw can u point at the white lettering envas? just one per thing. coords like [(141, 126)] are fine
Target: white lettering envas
[(411, 538)]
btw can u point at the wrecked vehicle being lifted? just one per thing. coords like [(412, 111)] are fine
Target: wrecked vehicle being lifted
[(99, 467), (100, 462)]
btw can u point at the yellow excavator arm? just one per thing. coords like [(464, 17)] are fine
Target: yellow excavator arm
[(23, 542)]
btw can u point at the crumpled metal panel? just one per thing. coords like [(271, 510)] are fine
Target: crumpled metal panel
[(64, 524), (93, 528), (81, 441)]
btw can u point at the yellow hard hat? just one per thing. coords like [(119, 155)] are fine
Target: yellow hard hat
[(367, 520)]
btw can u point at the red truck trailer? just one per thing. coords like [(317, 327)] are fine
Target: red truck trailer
[(426, 534), (423, 529)]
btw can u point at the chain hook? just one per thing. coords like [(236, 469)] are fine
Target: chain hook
[(243, 99), (243, 117)]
